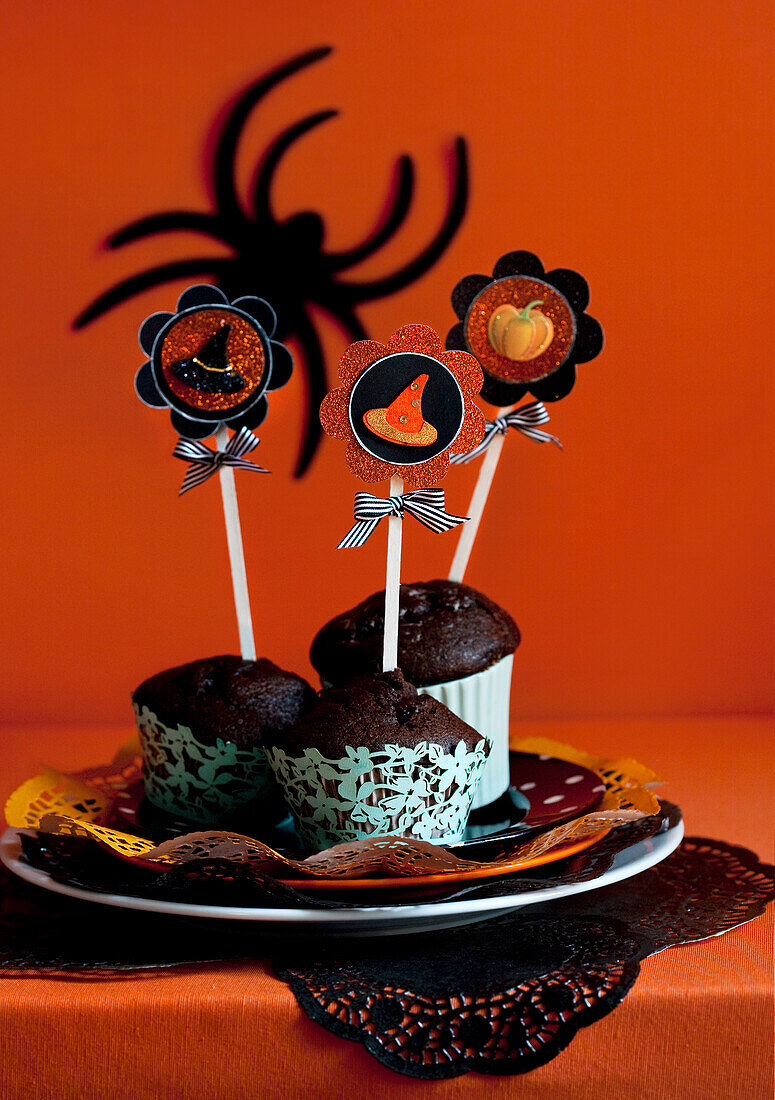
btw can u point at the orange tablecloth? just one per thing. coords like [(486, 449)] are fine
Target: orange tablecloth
[(698, 1023)]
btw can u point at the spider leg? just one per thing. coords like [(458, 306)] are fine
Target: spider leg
[(273, 156), (352, 323), (397, 211), (209, 224), (155, 276), (409, 273), (226, 199), (341, 313), (315, 370)]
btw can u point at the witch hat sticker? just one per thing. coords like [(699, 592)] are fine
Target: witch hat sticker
[(209, 370), (402, 421)]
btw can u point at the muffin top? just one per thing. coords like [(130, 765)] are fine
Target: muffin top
[(374, 711), (446, 630), (227, 697)]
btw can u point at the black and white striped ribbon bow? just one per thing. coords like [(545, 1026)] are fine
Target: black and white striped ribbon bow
[(523, 420), (204, 462), (426, 505)]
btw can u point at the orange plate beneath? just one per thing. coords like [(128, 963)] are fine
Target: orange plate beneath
[(409, 882)]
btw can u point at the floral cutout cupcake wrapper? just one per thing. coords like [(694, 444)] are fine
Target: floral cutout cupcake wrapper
[(421, 791), (204, 783)]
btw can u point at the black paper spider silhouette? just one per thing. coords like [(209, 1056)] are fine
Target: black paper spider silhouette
[(284, 261)]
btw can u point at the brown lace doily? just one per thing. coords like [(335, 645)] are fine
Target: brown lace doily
[(212, 880)]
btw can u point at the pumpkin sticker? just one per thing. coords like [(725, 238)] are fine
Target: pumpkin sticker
[(520, 334), (538, 341)]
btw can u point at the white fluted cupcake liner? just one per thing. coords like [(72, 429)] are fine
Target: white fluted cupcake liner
[(482, 700)]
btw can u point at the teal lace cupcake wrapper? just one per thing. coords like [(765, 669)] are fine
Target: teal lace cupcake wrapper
[(203, 783), (421, 791)]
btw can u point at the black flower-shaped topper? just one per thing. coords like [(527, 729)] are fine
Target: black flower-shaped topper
[(212, 362), (526, 326)]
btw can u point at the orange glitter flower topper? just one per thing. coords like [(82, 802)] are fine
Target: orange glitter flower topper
[(401, 406)]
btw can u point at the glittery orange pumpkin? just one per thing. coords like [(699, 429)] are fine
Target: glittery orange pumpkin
[(520, 335)]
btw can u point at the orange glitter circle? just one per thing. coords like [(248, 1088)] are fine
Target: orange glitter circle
[(245, 350), (519, 291)]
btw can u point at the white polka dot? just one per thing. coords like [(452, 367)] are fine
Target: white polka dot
[(553, 798), (574, 779), (571, 807), (600, 788), (544, 756), (527, 786)]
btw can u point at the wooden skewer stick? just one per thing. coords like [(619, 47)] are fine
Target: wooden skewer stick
[(479, 496), (392, 583), (239, 578)]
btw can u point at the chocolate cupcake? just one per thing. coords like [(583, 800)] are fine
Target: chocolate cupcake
[(454, 643), (373, 758), (202, 727)]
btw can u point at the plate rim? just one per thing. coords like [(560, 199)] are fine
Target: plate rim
[(651, 851)]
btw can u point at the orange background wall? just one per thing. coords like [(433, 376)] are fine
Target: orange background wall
[(627, 140)]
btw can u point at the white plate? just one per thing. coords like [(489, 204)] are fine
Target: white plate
[(361, 920)]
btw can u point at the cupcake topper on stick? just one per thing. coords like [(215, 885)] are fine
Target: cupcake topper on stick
[(402, 407), (212, 363), (528, 330)]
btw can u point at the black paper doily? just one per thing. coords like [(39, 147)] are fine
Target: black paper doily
[(507, 996), (500, 997)]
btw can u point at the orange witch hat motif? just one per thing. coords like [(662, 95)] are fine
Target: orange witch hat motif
[(402, 421)]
